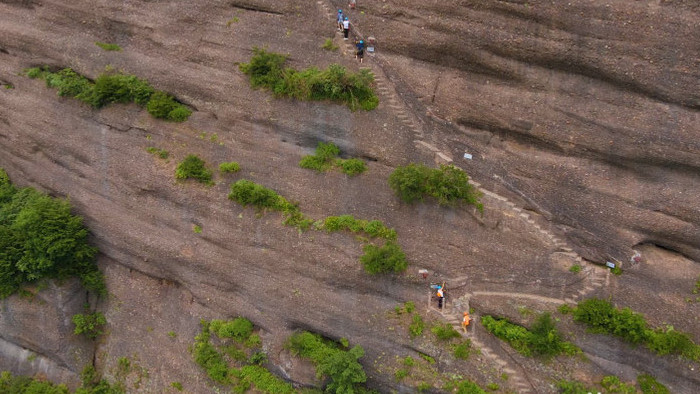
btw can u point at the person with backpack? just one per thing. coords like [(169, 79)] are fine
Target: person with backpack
[(360, 50)]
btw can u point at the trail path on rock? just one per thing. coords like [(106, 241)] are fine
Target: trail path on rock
[(594, 276)]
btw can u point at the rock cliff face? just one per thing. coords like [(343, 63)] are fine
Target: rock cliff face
[(582, 120)]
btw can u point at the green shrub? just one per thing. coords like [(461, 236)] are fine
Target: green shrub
[(416, 327), (176, 385), (444, 332), (108, 47), (602, 317), (386, 258), (573, 387), (351, 166), (23, 384), (463, 387), (329, 45), (246, 193), (239, 328), (649, 385), (427, 358), (409, 361), (339, 365), (89, 324), (409, 307), (542, 340), (565, 309), (423, 386), (262, 379), (575, 268), (229, 167), (493, 386), (40, 239), (206, 356), (334, 83), (113, 88), (193, 168), (448, 185), (612, 384)]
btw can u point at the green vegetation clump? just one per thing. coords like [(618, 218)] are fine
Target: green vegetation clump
[(602, 317), (416, 327), (266, 69), (207, 357), (448, 185), (373, 228), (40, 239), (613, 384), (261, 379), (325, 158), (462, 350), (163, 154), (329, 45), (576, 268), (10, 384), (341, 366), (89, 324), (193, 167), (444, 332), (176, 385), (384, 259), (108, 47), (542, 340), (649, 385), (463, 387), (229, 167), (573, 387), (112, 88), (246, 192), (239, 328)]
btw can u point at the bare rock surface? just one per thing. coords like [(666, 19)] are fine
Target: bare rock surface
[(582, 120)]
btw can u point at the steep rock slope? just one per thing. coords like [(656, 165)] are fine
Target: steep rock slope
[(540, 134)]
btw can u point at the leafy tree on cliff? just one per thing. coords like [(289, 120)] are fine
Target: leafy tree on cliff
[(39, 238)]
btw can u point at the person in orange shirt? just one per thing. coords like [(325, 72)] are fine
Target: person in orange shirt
[(465, 321)]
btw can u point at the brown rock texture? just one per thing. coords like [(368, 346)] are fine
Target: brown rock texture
[(582, 118)]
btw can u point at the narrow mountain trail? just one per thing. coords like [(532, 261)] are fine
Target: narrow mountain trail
[(594, 276)]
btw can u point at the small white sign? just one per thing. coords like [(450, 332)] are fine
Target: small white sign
[(467, 156)]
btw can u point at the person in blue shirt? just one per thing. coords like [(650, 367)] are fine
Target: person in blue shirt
[(339, 19), (360, 54)]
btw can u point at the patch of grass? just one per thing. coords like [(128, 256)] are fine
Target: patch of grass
[(616, 271), (9, 86), (163, 154), (493, 386), (112, 88), (351, 167), (197, 229), (176, 385), (565, 309), (573, 387), (233, 20), (602, 317), (329, 45), (194, 168), (444, 332), (31, 357), (172, 334), (400, 374), (613, 384), (649, 385), (89, 324), (416, 327), (206, 356), (461, 351), (463, 387), (427, 358), (409, 307), (576, 268), (266, 69), (229, 167), (409, 361), (123, 365), (24, 384), (384, 259), (325, 158), (423, 386), (261, 379), (448, 185), (108, 47), (542, 340), (525, 311), (373, 228), (341, 366)]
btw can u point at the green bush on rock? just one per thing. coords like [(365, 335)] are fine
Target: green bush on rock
[(448, 185)]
